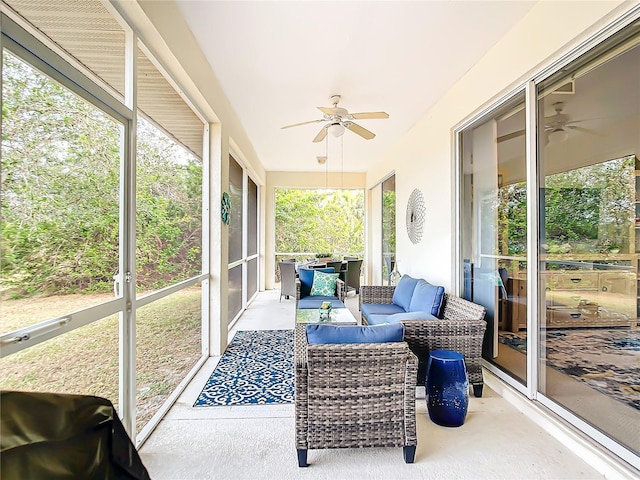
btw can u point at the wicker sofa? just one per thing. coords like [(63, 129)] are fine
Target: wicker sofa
[(461, 329), (354, 395)]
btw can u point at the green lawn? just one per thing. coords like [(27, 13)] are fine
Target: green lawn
[(85, 360)]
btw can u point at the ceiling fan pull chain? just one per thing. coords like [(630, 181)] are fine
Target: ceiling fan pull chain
[(342, 163), (326, 164)]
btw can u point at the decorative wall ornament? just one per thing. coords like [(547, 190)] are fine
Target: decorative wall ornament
[(225, 208), (415, 216)]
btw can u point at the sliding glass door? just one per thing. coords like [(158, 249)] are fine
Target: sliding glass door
[(551, 247), (243, 256), (494, 231), (589, 232)]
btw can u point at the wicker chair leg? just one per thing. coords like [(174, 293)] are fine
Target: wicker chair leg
[(409, 453), (477, 390), (302, 458)]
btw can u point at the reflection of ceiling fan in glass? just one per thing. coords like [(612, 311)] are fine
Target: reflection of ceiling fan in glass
[(338, 119), (556, 126)]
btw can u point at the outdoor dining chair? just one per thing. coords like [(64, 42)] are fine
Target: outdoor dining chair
[(352, 277), (287, 279)]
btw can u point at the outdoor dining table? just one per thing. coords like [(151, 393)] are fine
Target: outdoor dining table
[(300, 265)]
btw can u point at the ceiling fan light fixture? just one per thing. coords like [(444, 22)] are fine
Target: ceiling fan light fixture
[(336, 129), (558, 136)]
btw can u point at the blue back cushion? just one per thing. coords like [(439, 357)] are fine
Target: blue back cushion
[(306, 279), (403, 291), (331, 334), (427, 298)]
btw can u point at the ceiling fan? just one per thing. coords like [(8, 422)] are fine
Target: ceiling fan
[(338, 119), (555, 125)]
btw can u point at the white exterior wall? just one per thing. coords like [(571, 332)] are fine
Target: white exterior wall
[(425, 157)]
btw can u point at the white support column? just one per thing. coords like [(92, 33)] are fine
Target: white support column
[(207, 243), (127, 328), (219, 237), (269, 234)]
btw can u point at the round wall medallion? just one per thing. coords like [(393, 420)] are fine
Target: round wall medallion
[(415, 216), (225, 208)]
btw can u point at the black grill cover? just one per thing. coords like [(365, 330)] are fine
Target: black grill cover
[(54, 436)]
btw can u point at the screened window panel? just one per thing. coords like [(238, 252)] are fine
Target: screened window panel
[(60, 186), (168, 336), (252, 277), (252, 220), (168, 210), (83, 361), (236, 198), (235, 292)]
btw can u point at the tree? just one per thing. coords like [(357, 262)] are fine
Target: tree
[(61, 193), (319, 221)]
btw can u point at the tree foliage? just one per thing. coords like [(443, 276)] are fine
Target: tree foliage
[(586, 210), (61, 193), (315, 221)]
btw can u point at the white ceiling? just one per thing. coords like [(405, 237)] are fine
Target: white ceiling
[(278, 61)]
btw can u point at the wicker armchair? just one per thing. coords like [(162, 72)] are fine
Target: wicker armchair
[(354, 395), (341, 290), (461, 329)]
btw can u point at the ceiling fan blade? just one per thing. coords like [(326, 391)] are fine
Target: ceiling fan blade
[(363, 132), (585, 130), (509, 136), (369, 115), (321, 134), (304, 123), (330, 110)]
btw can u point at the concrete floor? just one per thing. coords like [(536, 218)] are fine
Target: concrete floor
[(497, 441)]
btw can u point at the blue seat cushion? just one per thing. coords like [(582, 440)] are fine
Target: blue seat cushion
[(316, 301), (427, 298), (404, 291), (369, 309), (378, 319), (331, 334), (306, 279)]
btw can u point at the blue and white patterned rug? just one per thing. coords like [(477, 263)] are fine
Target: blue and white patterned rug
[(255, 369), (608, 360)]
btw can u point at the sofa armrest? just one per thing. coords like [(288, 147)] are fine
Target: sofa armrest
[(457, 308), (464, 336), (376, 294), (301, 385)]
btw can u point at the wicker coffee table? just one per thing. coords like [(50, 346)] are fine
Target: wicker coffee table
[(341, 316)]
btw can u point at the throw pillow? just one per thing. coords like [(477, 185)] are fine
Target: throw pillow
[(324, 284), (403, 291), (427, 298), (332, 334)]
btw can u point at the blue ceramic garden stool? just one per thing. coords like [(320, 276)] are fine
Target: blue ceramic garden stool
[(447, 388)]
